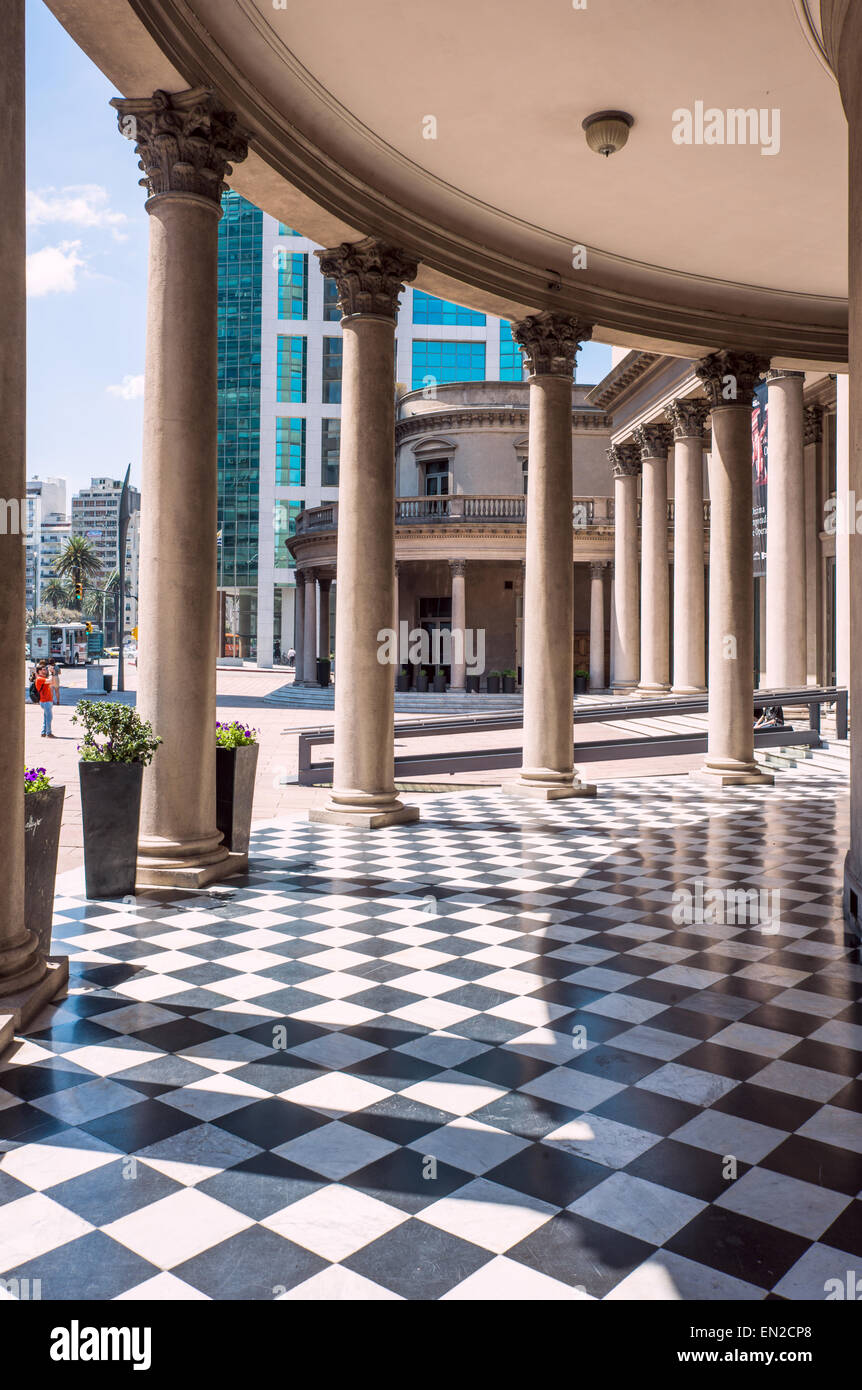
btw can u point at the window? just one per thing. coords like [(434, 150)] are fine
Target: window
[(447, 361), (427, 308), (525, 467), (289, 453), (285, 527), (330, 445), (292, 286), (331, 311), (436, 478), (284, 230), (511, 361), (332, 371), (292, 369)]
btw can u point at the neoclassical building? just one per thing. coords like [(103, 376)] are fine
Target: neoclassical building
[(697, 249)]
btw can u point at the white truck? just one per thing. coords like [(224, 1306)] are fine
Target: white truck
[(64, 643)]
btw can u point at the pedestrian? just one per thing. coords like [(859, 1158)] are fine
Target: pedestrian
[(45, 687), (55, 681)]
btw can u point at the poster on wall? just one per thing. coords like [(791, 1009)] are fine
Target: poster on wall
[(759, 478)]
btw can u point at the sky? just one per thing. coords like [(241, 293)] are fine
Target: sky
[(87, 270)]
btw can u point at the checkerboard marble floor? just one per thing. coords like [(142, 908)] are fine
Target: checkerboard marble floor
[(473, 1058)]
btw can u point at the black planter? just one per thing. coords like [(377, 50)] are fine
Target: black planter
[(235, 774), (421, 682), (581, 685), (324, 670), (493, 685), (508, 685), (440, 685), (43, 813), (110, 811), (402, 682), (471, 685)]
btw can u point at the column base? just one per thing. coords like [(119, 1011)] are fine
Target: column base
[(363, 818), (652, 688), (18, 1010), (852, 900), (624, 687), (730, 774), (547, 791), (688, 690), (152, 874)]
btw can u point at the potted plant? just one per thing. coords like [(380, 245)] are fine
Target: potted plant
[(402, 680), (508, 682), (471, 685), (582, 677), (440, 681), (43, 807), (421, 679), (118, 744), (237, 750), (494, 683)]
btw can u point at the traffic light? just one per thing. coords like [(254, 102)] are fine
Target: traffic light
[(79, 590), (135, 633), (88, 626)]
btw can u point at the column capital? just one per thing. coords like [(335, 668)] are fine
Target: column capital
[(779, 374), (186, 141), (813, 424), (625, 460), (300, 576), (369, 276), (653, 439), (687, 417), (597, 569), (551, 342), (729, 378), (458, 567)]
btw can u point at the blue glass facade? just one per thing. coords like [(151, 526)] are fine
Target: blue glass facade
[(511, 360), (447, 361), (292, 285), (239, 306), (427, 308)]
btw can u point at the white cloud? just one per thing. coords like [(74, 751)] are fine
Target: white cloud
[(129, 389), (54, 269), (81, 205)]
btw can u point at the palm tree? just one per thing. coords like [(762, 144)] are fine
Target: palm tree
[(56, 594), (78, 561)]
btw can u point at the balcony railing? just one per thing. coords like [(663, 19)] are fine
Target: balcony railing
[(586, 511)]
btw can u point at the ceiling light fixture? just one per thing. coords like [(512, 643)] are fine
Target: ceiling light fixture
[(607, 131)]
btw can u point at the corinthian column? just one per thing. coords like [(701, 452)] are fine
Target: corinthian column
[(625, 460), (23, 982), (458, 570), (653, 440), (370, 277), (309, 656), (597, 626), (729, 379), (786, 633), (185, 143), (550, 343), (687, 418), (299, 626)]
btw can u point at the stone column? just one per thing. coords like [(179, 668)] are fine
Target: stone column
[(458, 570), (654, 440), (184, 142), (370, 277), (786, 646), (625, 459), (687, 418), (613, 643), (309, 630), (550, 342), (597, 626), (396, 620), (519, 619), (22, 967), (324, 644), (299, 628), (729, 379), (813, 521)]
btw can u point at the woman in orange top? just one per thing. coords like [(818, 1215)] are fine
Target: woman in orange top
[(45, 687)]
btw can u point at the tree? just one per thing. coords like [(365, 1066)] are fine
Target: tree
[(56, 594), (78, 562)]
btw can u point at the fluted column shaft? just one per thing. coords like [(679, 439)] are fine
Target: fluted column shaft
[(299, 634), (729, 380), (550, 343), (324, 639), (459, 624), (597, 627), (626, 464), (184, 141), (309, 630), (21, 963), (653, 441), (786, 631), (370, 277), (689, 604)]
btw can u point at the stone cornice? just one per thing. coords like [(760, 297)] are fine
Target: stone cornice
[(478, 417), (620, 377), (185, 141), (369, 276)]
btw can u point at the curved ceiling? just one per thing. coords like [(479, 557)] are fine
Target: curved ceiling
[(688, 247)]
